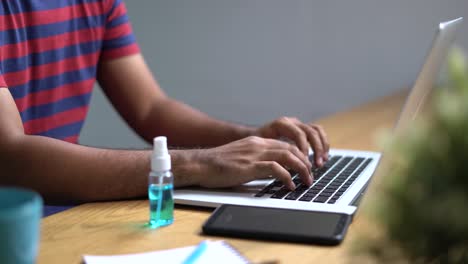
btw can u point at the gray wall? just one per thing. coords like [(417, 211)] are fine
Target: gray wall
[(250, 61)]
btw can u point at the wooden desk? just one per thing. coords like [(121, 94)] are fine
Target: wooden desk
[(119, 227)]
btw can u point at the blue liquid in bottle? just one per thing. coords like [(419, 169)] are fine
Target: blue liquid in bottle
[(161, 204), (160, 185)]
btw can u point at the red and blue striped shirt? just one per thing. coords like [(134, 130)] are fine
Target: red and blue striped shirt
[(49, 52)]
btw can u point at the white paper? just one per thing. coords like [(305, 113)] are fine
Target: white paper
[(216, 252)]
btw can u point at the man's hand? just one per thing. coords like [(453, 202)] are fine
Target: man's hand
[(245, 160), (304, 135)]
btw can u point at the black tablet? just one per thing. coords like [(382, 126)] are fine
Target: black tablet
[(278, 224)]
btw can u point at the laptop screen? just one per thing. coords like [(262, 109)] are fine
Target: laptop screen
[(421, 91), (423, 87)]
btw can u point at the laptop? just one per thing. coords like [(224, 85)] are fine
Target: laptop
[(339, 184)]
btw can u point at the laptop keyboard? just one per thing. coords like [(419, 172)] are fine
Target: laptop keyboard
[(330, 181)]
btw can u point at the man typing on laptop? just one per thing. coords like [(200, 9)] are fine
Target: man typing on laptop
[(51, 53)]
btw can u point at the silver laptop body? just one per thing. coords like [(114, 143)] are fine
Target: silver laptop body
[(338, 187)]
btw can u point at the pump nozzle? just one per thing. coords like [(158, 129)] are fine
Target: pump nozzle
[(160, 160)]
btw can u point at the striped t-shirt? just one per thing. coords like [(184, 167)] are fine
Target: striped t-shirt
[(49, 52)]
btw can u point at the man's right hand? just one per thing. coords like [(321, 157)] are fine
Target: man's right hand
[(245, 160)]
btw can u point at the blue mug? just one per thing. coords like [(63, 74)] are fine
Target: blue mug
[(20, 219)]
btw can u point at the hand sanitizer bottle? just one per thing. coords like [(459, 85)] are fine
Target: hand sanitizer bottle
[(160, 187)]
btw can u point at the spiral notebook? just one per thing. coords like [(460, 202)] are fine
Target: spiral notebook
[(214, 252)]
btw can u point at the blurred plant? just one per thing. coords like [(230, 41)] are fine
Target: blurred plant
[(422, 202)]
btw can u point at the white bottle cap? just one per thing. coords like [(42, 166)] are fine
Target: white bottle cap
[(160, 160)]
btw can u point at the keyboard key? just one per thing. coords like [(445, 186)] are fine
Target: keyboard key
[(280, 194), (312, 195), (319, 185), (341, 178), (338, 183), (296, 193), (264, 191), (327, 178), (306, 198), (297, 181), (301, 189), (260, 194), (293, 196), (321, 199)]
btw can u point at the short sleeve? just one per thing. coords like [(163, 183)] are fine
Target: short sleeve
[(119, 40), (2, 81)]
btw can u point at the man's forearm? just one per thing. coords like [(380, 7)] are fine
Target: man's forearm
[(64, 172), (68, 173), (188, 127)]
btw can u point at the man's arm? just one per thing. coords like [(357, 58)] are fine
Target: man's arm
[(131, 88), (64, 172)]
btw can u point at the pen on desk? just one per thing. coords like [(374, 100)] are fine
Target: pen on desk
[(196, 253), (273, 261)]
